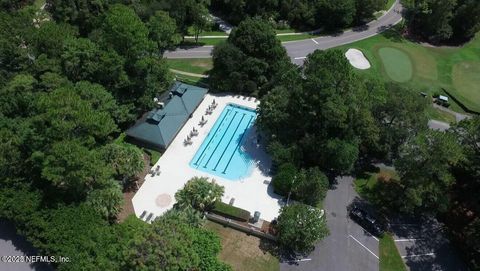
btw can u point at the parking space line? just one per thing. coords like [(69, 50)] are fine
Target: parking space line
[(302, 57), (407, 240), (316, 42), (363, 246), (419, 255)]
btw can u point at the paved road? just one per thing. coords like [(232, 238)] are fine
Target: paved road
[(423, 246), (348, 247), (297, 50), (12, 244), (438, 125)]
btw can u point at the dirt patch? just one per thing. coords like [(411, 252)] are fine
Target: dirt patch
[(127, 208), (244, 252)]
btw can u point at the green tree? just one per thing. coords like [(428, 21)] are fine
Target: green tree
[(72, 168), (50, 38), (402, 116), (17, 96), (151, 78), (102, 101), (284, 179), (199, 193), (200, 20), (107, 200), (311, 186), (424, 166), (82, 13), (63, 115), (125, 159), (466, 22), (126, 33), (335, 14), (322, 115), (340, 155), (163, 30), (431, 18), (300, 227), (172, 244), (366, 8), (249, 60), (14, 4)]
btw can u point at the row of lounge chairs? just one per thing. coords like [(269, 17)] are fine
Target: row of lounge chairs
[(149, 218)]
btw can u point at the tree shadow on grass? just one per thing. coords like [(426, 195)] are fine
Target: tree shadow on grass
[(188, 44)]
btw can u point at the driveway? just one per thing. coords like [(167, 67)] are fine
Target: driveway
[(298, 50), (348, 247), (424, 246)]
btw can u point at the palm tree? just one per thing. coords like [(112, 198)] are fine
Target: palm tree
[(199, 193)]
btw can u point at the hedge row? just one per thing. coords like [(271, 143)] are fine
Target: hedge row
[(230, 211)]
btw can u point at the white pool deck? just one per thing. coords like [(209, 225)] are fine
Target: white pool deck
[(250, 193)]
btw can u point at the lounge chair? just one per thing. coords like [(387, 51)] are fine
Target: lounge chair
[(143, 214)]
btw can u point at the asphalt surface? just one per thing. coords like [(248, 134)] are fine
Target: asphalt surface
[(298, 50), (438, 125), (12, 244), (348, 247), (424, 246)]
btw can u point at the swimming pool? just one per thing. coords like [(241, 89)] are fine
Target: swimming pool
[(221, 152)]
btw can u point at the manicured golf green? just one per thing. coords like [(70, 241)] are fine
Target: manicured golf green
[(396, 64), (434, 70)]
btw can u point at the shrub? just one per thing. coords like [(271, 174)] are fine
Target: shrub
[(231, 211), (282, 181)]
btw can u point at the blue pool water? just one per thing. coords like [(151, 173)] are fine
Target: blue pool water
[(220, 153)]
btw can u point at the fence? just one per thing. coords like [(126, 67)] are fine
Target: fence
[(241, 227)]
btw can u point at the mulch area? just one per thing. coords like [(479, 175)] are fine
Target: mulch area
[(127, 208)]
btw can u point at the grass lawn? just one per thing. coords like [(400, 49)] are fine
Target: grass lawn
[(364, 184), (243, 252), (204, 41), (436, 114), (154, 155), (390, 259), (197, 81), (389, 4), (192, 65), (454, 69)]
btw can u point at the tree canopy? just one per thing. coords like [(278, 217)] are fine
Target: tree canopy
[(300, 227), (442, 20), (249, 60)]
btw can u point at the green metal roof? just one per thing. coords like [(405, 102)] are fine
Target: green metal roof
[(160, 126)]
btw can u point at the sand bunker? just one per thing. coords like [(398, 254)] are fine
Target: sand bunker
[(357, 59)]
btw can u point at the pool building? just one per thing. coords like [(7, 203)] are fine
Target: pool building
[(157, 129), (225, 148)]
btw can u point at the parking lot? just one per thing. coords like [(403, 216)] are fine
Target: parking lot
[(348, 247), (424, 246)]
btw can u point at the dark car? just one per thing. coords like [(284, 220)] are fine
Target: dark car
[(369, 222)]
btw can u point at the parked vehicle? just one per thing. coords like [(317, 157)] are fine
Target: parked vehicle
[(369, 222)]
